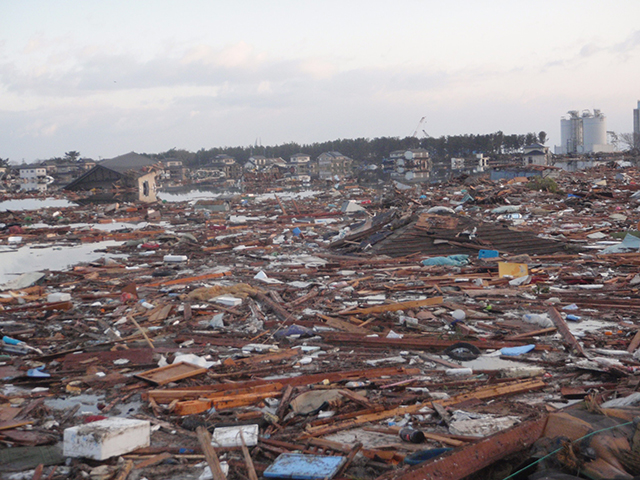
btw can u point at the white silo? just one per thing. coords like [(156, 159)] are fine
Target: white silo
[(595, 131), (571, 132), (565, 136)]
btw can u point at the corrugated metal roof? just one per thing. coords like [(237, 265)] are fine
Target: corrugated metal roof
[(449, 235)]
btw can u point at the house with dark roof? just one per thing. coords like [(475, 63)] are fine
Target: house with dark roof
[(131, 173), (536, 154)]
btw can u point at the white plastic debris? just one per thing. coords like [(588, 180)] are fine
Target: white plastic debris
[(231, 436)]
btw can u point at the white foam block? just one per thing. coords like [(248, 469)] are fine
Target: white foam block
[(106, 438), (232, 436)]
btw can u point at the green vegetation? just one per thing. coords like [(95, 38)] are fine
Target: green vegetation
[(621, 235), (543, 184), (369, 150)]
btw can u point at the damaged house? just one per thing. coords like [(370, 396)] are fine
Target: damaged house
[(130, 177)]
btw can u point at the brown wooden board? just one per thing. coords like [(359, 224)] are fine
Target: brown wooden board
[(171, 373)]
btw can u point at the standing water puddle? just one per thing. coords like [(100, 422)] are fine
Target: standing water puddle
[(29, 259), (34, 204)]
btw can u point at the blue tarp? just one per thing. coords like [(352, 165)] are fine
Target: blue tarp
[(630, 243), (515, 351), (451, 260)]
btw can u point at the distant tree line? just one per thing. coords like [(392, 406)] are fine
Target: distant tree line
[(366, 150), (369, 150)]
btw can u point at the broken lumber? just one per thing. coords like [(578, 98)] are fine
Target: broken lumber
[(393, 307)]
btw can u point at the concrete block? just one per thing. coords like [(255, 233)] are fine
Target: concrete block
[(106, 438)]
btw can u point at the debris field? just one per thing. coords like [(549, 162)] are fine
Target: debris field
[(472, 329)]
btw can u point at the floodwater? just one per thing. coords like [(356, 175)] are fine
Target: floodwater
[(89, 404), (188, 196), (34, 204), (28, 258), (105, 227), (194, 195)]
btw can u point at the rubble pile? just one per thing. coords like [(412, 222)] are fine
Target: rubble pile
[(470, 329)]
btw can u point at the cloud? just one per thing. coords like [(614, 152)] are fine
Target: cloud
[(589, 49), (628, 45), (318, 69)]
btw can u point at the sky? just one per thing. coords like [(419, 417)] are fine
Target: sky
[(108, 77)]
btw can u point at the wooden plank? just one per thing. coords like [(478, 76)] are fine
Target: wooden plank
[(161, 313), (372, 454), (204, 439), (251, 469), (124, 473), (352, 423), (535, 333), (153, 460), (268, 357), (171, 373), (284, 401), (392, 307), (464, 461), (14, 424), (359, 399), (433, 436), (166, 396), (635, 343), (37, 474), (192, 407), (345, 326), (199, 278), (493, 392), (563, 328), (144, 334)]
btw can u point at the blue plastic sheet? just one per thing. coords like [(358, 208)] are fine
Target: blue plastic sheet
[(515, 351), (488, 254), (630, 243), (451, 260)]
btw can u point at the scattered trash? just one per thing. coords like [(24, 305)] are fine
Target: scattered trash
[(327, 321)]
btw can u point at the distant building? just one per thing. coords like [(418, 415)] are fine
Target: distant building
[(536, 154), (409, 165), (583, 133), (476, 163), (636, 126), (34, 178), (334, 165), (132, 173), (174, 169), (300, 165), (260, 163)]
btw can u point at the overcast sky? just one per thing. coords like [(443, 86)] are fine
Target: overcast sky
[(108, 77)]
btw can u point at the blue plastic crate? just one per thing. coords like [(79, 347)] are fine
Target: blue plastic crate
[(304, 467)]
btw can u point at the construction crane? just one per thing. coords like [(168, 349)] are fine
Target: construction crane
[(415, 133)]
